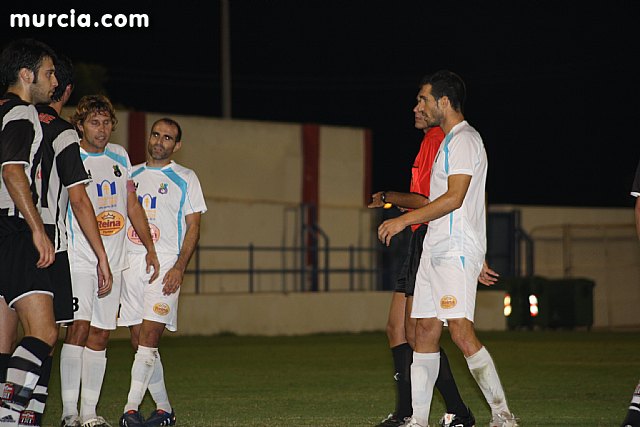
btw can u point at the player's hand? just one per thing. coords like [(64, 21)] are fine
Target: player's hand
[(105, 278), (45, 249), (390, 228), (376, 200), (152, 262), (172, 281), (487, 276)]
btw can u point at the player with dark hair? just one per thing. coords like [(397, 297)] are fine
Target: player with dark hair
[(453, 255), (172, 198), (400, 325), (27, 68), (112, 194)]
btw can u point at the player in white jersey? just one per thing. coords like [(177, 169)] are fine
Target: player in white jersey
[(453, 253), (172, 198), (112, 193)]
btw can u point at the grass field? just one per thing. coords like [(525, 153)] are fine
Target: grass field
[(551, 379)]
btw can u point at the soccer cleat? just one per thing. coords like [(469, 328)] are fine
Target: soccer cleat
[(131, 418), (71, 421), (632, 419), (412, 422), (504, 419), (393, 420), (453, 420), (96, 422), (159, 418)]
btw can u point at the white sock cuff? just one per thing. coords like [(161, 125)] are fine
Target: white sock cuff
[(70, 350), (147, 350), (100, 354), (418, 357), (481, 358)]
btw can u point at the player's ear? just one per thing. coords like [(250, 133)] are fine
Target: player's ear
[(177, 146), (26, 75)]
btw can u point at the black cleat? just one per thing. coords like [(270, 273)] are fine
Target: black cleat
[(454, 420), (393, 420), (131, 419), (160, 418)]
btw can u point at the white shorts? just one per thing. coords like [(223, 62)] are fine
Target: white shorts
[(101, 312), (142, 300), (446, 288)]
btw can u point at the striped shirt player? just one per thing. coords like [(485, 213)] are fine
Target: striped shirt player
[(109, 172), (20, 140), (168, 194), (61, 168)]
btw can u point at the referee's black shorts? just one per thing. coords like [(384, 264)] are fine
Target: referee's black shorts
[(406, 281), (19, 275)]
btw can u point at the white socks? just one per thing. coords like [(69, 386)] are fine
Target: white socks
[(157, 388), (70, 373), (141, 372), (94, 364), (424, 373), (484, 371)]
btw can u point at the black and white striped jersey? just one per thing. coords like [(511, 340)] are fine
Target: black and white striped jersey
[(61, 167), (20, 138)]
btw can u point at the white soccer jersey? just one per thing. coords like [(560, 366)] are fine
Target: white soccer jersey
[(168, 195), (463, 231), (109, 172)]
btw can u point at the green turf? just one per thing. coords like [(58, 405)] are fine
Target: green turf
[(551, 379)]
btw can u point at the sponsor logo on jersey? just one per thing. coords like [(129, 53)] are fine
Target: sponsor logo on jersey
[(448, 301), (164, 188), (135, 239), (116, 171), (161, 309), (46, 118), (110, 223), (149, 204), (107, 193)]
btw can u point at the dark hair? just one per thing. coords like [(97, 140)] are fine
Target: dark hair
[(64, 75), (170, 122), (449, 84), (22, 53)]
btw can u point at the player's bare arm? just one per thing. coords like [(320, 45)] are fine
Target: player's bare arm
[(398, 199), (451, 200), (138, 218), (83, 210), (173, 279), (18, 187)]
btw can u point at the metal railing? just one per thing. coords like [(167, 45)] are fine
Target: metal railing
[(304, 273)]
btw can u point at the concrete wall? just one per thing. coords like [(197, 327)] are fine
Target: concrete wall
[(600, 244)]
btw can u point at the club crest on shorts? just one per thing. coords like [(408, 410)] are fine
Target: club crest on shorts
[(161, 309), (448, 301)]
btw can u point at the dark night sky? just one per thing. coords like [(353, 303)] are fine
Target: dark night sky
[(552, 86)]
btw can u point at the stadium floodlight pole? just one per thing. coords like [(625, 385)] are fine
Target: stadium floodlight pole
[(225, 58)]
